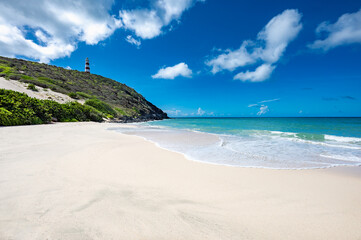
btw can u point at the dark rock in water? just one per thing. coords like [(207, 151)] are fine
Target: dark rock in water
[(145, 118)]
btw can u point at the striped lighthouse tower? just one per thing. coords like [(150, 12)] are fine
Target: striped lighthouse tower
[(87, 68)]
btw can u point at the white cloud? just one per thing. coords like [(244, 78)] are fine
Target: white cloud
[(133, 41), (270, 100), (148, 23), (230, 60), (173, 112), (47, 30), (145, 23), (277, 34), (268, 48), (68, 67), (200, 112), (181, 69), (57, 26), (346, 30), (261, 73), (253, 105), (263, 110)]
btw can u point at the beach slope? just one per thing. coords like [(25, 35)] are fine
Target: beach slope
[(82, 181)]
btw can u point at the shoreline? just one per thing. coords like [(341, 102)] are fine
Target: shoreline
[(190, 142), (235, 166), (80, 180)]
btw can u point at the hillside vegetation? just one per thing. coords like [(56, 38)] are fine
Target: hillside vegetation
[(18, 109), (109, 97)]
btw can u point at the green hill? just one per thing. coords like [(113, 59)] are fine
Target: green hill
[(114, 99)]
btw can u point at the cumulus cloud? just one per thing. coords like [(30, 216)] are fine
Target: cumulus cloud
[(346, 30), (149, 23), (181, 69), (56, 26), (277, 34), (268, 48), (261, 73), (200, 112), (263, 110), (133, 41), (173, 112), (230, 60), (47, 30)]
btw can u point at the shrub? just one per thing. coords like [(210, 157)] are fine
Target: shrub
[(25, 77), (19, 109), (73, 95), (101, 106), (120, 111), (15, 77), (32, 87), (84, 95)]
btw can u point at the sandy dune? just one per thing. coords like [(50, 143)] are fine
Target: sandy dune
[(81, 181), (45, 94)]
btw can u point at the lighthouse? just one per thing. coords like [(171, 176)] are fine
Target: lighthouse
[(87, 68)]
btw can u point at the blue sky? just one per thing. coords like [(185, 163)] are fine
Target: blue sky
[(203, 58)]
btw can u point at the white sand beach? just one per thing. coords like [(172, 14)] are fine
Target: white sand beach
[(82, 181)]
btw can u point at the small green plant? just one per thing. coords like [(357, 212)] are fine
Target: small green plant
[(84, 95), (101, 106), (32, 87), (25, 77), (15, 77), (120, 111), (73, 95), (135, 110)]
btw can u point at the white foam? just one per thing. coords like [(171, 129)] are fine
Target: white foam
[(343, 139), (344, 158), (252, 148)]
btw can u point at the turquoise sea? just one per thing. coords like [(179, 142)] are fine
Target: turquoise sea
[(280, 143)]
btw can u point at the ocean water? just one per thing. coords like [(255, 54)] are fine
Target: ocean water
[(278, 143)]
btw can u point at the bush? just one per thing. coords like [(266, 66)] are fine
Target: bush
[(101, 106), (15, 77), (32, 87), (73, 95), (84, 95), (19, 109), (25, 77), (120, 111)]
